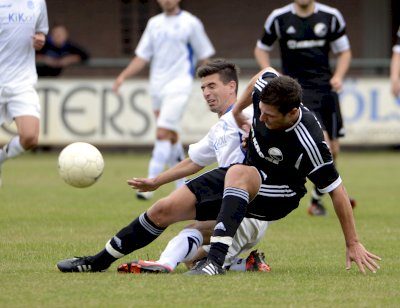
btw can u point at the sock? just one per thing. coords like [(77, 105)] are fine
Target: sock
[(315, 194), (12, 149), (159, 157), (233, 210), (139, 233), (181, 248), (238, 265), (177, 155)]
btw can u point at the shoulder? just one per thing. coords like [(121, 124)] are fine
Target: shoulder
[(190, 18), (264, 78), (328, 9), (281, 11)]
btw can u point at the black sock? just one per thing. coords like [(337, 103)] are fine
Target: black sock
[(139, 233), (233, 210)]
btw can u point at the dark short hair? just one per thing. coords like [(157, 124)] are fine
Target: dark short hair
[(226, 70), (283, 92)]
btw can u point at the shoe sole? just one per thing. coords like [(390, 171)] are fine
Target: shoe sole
[(141, 267)]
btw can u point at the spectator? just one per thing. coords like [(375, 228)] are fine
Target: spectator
[(58, 53)]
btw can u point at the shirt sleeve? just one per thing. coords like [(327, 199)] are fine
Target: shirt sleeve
[(269, 35), (42, 22), (202, 152), (199, 40), (144, 49)]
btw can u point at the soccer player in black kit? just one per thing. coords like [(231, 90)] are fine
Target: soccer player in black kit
[(285, 146), (307, 31)]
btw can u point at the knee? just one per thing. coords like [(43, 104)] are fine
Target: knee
[(161, 213), (166, 134)]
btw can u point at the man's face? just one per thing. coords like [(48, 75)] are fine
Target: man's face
[(169, 6), (217, 94), (274, 119), (59, 35), (304, 3)]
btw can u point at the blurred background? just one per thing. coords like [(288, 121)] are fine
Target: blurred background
[(79, 103)]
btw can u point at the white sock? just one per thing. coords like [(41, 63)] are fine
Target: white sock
[(159, 157), (238, 265), (181, 248), (177, 155), (12, 149)]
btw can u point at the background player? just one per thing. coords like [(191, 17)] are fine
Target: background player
[(172, 42), (19, 101), (307, 31), (395, 67)]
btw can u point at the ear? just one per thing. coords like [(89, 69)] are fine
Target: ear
[(233, 85)]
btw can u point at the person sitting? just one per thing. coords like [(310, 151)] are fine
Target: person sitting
[(58, 53)]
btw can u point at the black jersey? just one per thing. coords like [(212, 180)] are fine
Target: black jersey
[(305, 43), (288, 157)]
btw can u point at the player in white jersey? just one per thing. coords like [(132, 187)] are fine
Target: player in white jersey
[(395, 67), (172, 42), (23, 26), (222, 145)]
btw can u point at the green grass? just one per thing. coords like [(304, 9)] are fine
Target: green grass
[(43, 220)]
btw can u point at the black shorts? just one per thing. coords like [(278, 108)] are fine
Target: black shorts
[(271, 203), (326, 106)]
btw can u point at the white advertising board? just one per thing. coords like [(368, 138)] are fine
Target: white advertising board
[(88, 110)]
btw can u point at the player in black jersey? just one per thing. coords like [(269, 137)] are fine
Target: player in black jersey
[(307, 31), (395, 67), (285, 146)]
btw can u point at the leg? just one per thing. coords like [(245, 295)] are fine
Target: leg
[(178, 206), (242, 184)]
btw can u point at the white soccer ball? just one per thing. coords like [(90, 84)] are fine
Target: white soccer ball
[(80, 164)]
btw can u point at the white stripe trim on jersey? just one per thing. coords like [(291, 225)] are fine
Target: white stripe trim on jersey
[(331, 187), (309, 145), (112, 251), (237, 192), (145, 224), (275, 13), (276, 191), (320, 166), (331, 10)]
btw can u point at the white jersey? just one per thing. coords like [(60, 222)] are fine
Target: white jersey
[(222, 144), (396, 47), (173, 44), (19, 21)]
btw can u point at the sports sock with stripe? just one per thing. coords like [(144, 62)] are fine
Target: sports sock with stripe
[(233, 210)]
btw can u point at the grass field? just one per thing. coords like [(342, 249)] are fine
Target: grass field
[(43, 220)]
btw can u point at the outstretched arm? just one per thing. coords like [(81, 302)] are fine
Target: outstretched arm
[(355, 251), (181, 170), (134, 67)]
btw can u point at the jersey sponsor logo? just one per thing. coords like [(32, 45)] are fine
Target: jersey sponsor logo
[(320, 29), (292, 44), (30, 4), (17, 18)]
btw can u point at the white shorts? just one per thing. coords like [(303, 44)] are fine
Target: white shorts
[(249, 233), (171, 108), (16, 103)]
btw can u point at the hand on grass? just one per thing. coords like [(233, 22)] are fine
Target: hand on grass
[(362, 257)]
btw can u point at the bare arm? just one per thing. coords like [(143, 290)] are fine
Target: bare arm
[(342, 66), (355, 251), (262, 57), (181, 170), (135, 66), (395, 73)]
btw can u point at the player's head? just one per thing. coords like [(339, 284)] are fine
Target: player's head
[(227, 71), (279, 102), (170, 7), (219, 82), (59, 35)]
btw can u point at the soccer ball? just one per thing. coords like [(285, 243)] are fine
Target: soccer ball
[(80, 164)]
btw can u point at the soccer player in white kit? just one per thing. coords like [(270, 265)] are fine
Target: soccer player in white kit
[(23, 26), (172, 42)]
